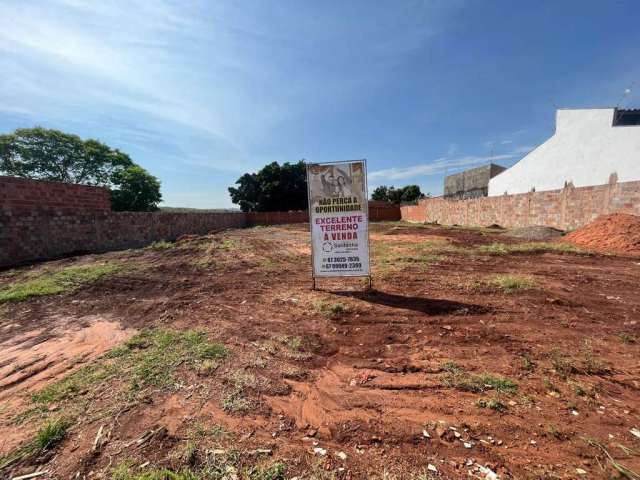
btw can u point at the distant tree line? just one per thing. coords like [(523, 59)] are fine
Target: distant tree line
[(408, 194), (46, 154), (283, 187)]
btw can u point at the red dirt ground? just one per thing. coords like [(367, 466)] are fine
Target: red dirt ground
[(366, 381), (618, 232)]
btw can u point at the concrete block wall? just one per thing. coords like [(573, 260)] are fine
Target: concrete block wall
[(567, 209)]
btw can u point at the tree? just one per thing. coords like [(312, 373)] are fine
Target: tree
[(407, 194), (274, 188), (381, 194), (46, 154), (138, 191)]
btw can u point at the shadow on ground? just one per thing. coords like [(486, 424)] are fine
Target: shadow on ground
[(428, 306)]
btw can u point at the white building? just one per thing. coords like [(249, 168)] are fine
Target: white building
[(590, 147)]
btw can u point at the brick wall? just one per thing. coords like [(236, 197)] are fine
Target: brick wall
[(40, 219), (567, 209), (24, 195)]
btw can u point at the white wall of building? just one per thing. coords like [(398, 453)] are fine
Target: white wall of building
[(585, 150)]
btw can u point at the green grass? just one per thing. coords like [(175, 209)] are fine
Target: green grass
[(51, 283), (48, 437), (216, 470), (497, 248), (161, 245), (511, 283), (458, 378), (149, 359)]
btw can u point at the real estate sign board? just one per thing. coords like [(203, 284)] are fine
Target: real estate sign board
[(338, 215)]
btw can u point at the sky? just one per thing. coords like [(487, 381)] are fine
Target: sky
[(200, 92)]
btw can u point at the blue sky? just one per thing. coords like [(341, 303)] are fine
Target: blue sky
[(200, 92)]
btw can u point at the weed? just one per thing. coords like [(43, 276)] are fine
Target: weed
[(512, 283), (275, 471), (51, 283), (216, 431), (125, 472), (554, 432), (623, 470), (242, 380), (161, 245), (293, 343), (235, 402), (451, 367), (527, 401), (592, 365), (548, 384), (457, 378), (493, 403), (588, 364), (207, 367), (627, 337), (330, 309), (228, 244), (214, 470), (47, 437), (578, 389), (51, 433), (293, 373), (527, 363), (188, 454), (563, 364)]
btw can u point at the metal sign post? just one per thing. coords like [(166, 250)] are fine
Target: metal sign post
[(339, 219)]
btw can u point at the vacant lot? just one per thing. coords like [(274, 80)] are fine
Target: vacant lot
[(475, 355)]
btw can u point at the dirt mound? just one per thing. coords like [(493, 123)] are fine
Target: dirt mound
[(535, 232), (618, 232)]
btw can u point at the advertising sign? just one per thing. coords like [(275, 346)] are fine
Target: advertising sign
[(338, 215)]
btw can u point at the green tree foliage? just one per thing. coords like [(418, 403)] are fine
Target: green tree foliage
[(407, 194), (46, 154), (274, 188), (137, 190)]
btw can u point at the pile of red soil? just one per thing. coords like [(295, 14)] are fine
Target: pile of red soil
[(617, 232)]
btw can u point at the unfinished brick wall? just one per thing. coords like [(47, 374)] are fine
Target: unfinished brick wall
[(40, 219), (567, 209), (25, 195)]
